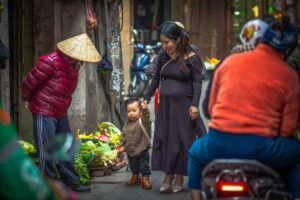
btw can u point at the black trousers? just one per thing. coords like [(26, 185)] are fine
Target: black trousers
[(140, 163)]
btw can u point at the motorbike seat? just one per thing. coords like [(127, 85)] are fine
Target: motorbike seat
[(246, 165)]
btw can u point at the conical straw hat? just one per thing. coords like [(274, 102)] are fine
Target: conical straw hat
[(80, 47)]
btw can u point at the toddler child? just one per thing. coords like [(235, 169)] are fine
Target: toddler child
[(136, 142)]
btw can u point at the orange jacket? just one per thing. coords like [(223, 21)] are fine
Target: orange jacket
[(255, 92)]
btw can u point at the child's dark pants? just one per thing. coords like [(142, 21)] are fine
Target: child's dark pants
[(140, 163)]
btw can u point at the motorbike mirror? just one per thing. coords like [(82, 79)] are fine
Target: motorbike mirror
[(135, 32), (63, 147), (135, 38), (158, 44), (149, 49)]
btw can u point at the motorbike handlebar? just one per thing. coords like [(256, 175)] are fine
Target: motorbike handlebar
[(147, 48)]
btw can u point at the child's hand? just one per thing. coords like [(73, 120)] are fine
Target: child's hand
[(144, 105), (145, 102)]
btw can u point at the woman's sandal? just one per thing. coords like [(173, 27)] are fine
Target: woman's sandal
[(166, 187), (178, 188)]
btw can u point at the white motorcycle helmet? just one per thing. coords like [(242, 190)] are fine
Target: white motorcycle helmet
[(253, 30)]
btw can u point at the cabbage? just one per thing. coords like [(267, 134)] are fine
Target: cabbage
[(109, 128)]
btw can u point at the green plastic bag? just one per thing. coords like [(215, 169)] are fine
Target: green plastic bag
[(20, 177)]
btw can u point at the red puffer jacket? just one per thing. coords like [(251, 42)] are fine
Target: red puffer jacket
[(50, 84)]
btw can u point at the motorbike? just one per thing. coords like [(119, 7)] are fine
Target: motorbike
[(235, 179), (143, 55)]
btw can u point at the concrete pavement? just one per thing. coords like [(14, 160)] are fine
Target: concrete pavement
[(113, 188)]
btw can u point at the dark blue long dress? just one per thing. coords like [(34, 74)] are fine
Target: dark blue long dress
[(174, 130)]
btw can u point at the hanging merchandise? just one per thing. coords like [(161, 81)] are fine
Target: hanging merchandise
[(255, 10), (275, 9), (91, 19)]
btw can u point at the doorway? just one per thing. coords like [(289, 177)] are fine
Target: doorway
[(21, 45)]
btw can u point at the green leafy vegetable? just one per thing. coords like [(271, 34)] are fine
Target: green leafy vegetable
[(82, 170), (104, 147), (109, 128), (29, 148)]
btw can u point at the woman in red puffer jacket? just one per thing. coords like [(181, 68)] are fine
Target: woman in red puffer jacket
[(50, 84), (48, 89)]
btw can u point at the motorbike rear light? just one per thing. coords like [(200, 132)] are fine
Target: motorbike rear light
[(231, 186)]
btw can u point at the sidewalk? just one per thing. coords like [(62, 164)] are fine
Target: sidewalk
[(113, 187)]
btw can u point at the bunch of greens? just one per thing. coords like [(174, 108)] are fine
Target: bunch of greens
[(28, 147), (88, 147), (88, 151), (82, 170)]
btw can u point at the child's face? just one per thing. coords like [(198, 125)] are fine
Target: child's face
[(133, 111)]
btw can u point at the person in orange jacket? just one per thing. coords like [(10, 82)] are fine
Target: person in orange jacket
[(254, 108)]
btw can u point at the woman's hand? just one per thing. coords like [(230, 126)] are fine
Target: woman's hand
[(194, 112)]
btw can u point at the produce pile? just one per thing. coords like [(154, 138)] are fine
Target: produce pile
[(100, 150), (30, 150)]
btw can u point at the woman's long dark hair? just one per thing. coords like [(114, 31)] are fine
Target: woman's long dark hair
[(173, 31)]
